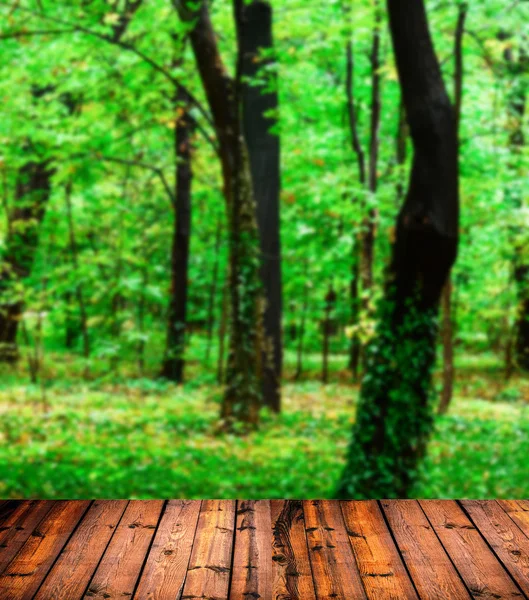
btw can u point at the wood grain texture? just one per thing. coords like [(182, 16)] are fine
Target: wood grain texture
[(334, 568), (18, 521), (381, 568), (433, 573), (252, 554), (120, 567), (165, 570), (292, 574), (518, 510), (208, 575), (484, 576), (74, 568), (509, 543), (29, 567)]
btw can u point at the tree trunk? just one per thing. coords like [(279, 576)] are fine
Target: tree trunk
[(173, 366), (447, 328), (243, 395), (259, 115), (213, 290), (394, 416), (330, 302), (31, 196)]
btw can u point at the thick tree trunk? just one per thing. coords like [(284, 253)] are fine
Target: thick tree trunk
[(259, 110), (31, 196), (243, 395), (394, 415), (447, 327), (173, 366)]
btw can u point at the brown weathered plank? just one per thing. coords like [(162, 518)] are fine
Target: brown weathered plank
[(7, 507), (433, 574), (72, 571), (381, 567), (120, 567), (518, 510), (252, 555), (508, 542), (292, 575), (208, 575), (19, 520), (333, 565), (165, 570), (483, 574), (26, 571)]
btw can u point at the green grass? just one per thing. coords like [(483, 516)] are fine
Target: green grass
[(142, 438)]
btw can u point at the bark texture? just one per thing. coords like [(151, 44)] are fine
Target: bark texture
[(394, 415), (259, 115), (243, 396)]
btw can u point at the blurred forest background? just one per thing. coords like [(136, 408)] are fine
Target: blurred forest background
[(149, 348)]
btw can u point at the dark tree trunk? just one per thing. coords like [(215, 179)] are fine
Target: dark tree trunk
[(327, 325), (447, 326), (31, 196), (243, 395), (400, 150), (173, 366), (394, 416), (213, 290), (517, 106), (355, 347), (259, 110)]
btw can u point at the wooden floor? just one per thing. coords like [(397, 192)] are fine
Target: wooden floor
[(250, 550)]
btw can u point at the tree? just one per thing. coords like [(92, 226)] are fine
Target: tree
[(173, 366), (394, 415), (243, 396), (260, 104)]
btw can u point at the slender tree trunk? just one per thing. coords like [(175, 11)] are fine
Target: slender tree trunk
[(243, 395), (140, 349), (447, 327), (355, 347), (400, 151), (394, 416), (222, 333), (330, 301), (259, 115), (213, 289), (83, 319), (173, 366), (31, 196)]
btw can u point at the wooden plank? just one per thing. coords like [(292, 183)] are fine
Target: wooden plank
[(19, 521), (518, 510), (510, 545), (381, 567), (292, 575), (165, 570), (120, 567), (75, 566), (7, 507), (208, 575), (252, 555), (26, 571), (334, 568), (433, 574), (483, 574)]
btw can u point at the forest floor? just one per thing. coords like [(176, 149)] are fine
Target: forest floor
[(150, 439)]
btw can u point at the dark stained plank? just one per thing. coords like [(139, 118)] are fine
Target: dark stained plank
[(292, 575), (26, 571), (120, 567), (505, 538), (72, 571), (208, 575), (483, 574), (252, 555), (518, 510), (433, 574), (381, 567), (20, 519), (7, 507), (165, 570), (334, 568)]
